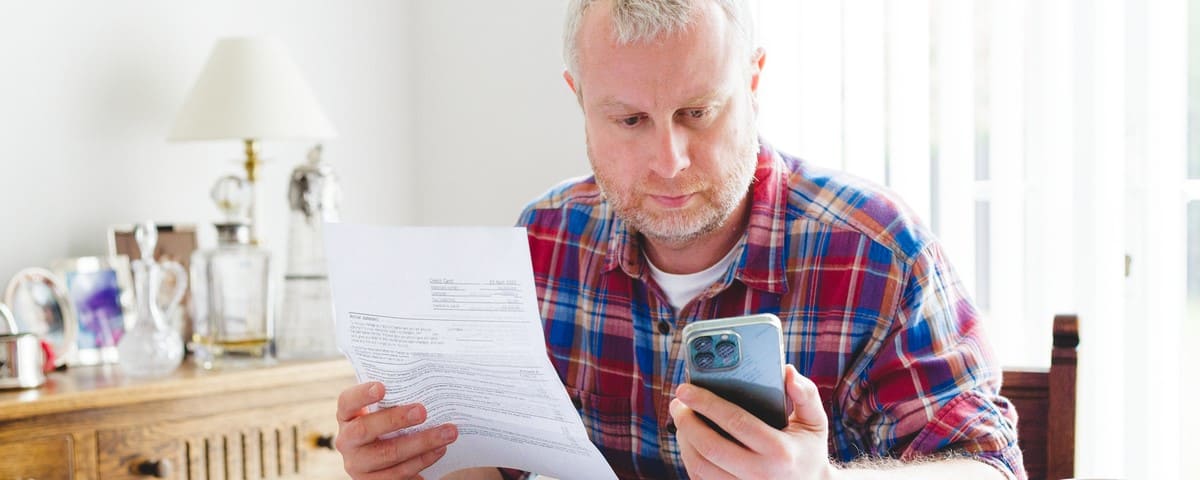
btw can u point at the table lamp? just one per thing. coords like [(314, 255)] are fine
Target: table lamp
[(250, 90)]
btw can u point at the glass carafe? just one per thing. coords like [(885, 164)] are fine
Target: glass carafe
[(231, 317), (231, 287), (151, 347)]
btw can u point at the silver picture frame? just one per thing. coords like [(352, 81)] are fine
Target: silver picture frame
[(38, 303)]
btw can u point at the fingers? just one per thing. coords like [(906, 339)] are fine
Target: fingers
[(368, 427), (764, 452), (405, 454), (807, 411), (366, 456), (736, 421), (408, 469), (691, 432), (353, 401)]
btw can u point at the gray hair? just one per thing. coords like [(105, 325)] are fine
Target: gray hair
[(643, 20)]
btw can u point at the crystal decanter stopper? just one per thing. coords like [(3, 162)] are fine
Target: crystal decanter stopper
[(151, 348)]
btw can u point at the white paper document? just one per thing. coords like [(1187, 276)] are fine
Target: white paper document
[(448, 317)]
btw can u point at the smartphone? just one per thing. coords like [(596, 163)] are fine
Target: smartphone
[(741, 360)]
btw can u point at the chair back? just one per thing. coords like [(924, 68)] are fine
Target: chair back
[(1045, 403)]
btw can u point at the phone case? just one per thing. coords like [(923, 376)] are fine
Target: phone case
[(741, 360)]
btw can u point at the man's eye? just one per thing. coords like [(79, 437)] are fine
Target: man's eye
[(697, 112), (631, 121)]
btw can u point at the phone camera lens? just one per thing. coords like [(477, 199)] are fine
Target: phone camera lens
[(704, 360), (702, 344), (726, 349)]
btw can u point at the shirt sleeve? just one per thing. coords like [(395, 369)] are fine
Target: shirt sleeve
[(933, 384)]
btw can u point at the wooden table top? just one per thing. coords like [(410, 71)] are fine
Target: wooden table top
[(106, 386)]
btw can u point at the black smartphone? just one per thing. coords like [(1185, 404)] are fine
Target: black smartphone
[(740, 359)]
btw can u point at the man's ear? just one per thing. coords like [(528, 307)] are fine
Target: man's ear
[(570, 81), (756, 66), (574, 88)]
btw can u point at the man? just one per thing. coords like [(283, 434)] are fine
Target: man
[(690, 217)]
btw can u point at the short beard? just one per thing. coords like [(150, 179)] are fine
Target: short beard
[(680, 230)]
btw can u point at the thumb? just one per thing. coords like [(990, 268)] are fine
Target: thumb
[(807, 412)]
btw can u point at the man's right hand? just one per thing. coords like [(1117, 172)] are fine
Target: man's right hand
[(365, 456)]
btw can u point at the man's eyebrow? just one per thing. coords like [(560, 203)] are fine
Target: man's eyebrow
[(702, 99), (612, 103), (705, 98)]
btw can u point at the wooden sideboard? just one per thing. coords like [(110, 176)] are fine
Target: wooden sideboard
[(94, 423)]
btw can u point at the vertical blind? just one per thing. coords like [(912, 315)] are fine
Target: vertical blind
[(1046, 144)]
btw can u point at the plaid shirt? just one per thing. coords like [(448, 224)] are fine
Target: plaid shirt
[(871, 312)]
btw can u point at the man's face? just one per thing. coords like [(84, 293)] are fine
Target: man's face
[(669, 123)]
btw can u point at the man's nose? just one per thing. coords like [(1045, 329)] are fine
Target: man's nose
[(670, 156)]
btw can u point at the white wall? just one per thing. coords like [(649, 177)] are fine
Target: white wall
[(88, 91), (495, 124), (448, 112)]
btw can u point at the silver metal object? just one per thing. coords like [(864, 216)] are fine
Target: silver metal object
[(305, 327), (21, 361), (314, 190), (7, 321)]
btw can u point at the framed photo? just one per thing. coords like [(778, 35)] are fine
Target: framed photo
[(40, 305), (176, 242), (101, 290)]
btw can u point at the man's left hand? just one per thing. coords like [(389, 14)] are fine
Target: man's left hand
[(800, 450)]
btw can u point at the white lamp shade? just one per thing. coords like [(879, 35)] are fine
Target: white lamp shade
[(250, 89)]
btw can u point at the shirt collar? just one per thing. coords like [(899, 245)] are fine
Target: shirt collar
[(761, 265)]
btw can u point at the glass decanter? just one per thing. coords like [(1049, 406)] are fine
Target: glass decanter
[(151, 347), (231, 289)]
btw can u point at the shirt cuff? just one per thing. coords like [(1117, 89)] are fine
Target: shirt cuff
[(982, 428)]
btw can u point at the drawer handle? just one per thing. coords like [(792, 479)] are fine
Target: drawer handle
[(324, 441), (154, 468)]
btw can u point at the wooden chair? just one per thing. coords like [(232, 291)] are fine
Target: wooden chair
[(1045, 402)]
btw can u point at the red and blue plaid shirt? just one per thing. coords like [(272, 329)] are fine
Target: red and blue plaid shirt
[(871, 312)]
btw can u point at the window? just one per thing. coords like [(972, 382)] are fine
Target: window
[(1045, 143)]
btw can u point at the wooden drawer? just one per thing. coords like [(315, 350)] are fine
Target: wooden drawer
[(45, 458), (281, 442)]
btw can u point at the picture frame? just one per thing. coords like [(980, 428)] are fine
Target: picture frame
[(38, 303), (101, 290), (176, 243)]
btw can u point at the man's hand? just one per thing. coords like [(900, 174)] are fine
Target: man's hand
[(800, 450), (365, 456)]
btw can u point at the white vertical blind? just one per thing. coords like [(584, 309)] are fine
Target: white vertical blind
[(1006, 167), (1135, 239), (1165, 124), (784, 83), (1098, 220), (805, 117), (908, 73), (953, 130), (863, 87), (1051, 242), (1067, 121)]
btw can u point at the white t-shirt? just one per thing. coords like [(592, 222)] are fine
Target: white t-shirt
[(681, 289)]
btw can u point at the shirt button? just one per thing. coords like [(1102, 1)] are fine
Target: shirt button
[(664, 327), (671, 428)]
